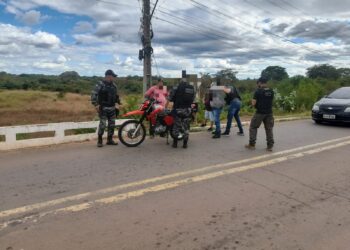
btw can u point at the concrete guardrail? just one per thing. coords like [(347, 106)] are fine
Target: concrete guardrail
[(59, 129), (60, 136)]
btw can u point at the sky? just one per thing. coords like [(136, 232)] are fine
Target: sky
[(90, 36)]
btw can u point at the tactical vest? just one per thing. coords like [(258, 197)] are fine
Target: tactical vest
[(184, 96), (107, 96)]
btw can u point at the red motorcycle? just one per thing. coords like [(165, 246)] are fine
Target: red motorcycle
[(133, 132)]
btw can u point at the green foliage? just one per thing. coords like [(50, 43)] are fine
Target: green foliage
[(308, 92), (227, 74), (275, 73), (344, 72), (324, 71), (293, 94), (286, 103), (130, 102)]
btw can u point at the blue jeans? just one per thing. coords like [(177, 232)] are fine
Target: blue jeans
[(233, 111), (217, 112)]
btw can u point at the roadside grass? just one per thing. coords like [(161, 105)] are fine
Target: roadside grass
[(35, 107), (20, 107)]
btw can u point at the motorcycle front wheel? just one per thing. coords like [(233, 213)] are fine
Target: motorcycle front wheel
[(132, 133)]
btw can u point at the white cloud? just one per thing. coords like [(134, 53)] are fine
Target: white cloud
[(207, 42), (31, 17), (61, 59), (83, 27), (22, 37), (47, 65)]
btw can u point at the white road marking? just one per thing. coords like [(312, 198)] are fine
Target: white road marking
[(171, 185), (45, 204)]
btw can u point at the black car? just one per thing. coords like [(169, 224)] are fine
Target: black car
[(334, 107)]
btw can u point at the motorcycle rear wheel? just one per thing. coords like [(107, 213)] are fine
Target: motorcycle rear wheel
[(127, 136)]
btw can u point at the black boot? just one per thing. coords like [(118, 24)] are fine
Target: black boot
[(216, 136), (174, 143), (99, 141), (185, 143), (227, 132), (110, 141)]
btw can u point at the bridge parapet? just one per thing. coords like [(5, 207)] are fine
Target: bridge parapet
[(58, 131)]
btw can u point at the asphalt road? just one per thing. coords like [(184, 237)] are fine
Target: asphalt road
[(214, 195)]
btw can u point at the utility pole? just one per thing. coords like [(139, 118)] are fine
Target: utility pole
[(147, 47)]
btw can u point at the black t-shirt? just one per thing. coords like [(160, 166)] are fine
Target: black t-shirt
[(264, 98)]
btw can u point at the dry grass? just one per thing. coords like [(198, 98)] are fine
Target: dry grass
[(35, 107)]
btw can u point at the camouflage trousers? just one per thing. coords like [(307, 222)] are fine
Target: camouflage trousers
[(182, 122), (255, 123), (107, 114)]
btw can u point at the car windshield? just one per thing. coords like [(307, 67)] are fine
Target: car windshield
[(342, 93)]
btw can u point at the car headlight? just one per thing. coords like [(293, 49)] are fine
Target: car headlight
[(347, 109), (316, 107)]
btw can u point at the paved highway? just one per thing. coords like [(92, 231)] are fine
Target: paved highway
[(214, 195)]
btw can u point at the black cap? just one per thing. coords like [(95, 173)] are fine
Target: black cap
[(110, 73), (262, 80)]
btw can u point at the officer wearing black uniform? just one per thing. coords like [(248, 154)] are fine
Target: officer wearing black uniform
[(105, 97), (182, 96)]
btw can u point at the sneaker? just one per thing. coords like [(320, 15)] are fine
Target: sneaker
[(269, 149), (240, 133), (216, 136), (226, 133), (210, 129), (250, 146)]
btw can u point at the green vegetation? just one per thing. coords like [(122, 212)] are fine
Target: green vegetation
[(53, 98)]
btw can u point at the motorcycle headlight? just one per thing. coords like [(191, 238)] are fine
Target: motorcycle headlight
[(347, 109), (316, 107)]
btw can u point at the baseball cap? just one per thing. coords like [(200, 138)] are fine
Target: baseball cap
[(262, 80), (110, 73)]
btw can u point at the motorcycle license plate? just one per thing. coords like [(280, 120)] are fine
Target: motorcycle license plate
[(331, 117)]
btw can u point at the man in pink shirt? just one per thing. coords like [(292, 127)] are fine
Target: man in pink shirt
[(158, 92)]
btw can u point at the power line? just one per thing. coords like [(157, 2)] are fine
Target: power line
[(222, 14), (257, 6), (200, 28), (280, 7), (155, 62), (114, 3), (215, 38), (296, 8)]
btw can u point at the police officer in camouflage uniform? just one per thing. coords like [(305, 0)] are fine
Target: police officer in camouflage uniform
[(105, 97), (182, 96)]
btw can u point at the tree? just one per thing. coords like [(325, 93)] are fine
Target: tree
[(275, 73), (69, 75), (344, 72), (227, 74), (325, 71), (205, 84)]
